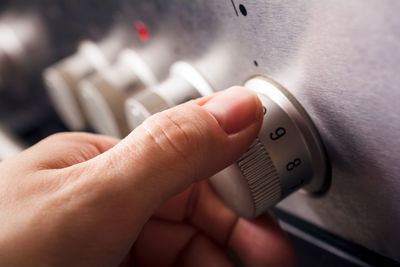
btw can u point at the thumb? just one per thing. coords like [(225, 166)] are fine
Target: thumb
[(179, 146)]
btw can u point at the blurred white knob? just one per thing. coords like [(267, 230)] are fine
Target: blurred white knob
[(62, 80), (103, 94), (184, 83)]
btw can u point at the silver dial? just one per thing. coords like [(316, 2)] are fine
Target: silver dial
[(286, 156)]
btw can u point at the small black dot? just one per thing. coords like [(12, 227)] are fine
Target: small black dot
[(243, 10), (255, 63)]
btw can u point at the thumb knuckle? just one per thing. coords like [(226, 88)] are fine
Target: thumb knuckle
[(184, 130), (174, 133)]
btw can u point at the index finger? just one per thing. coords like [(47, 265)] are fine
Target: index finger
[(255, 242)]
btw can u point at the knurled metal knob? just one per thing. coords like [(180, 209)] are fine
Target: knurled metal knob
[(287, 155)]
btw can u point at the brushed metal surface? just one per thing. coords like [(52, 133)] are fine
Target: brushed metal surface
[(341, 60)]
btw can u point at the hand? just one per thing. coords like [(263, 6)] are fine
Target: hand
[(78, 199)]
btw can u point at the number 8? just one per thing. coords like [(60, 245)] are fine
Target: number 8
[(291, 165)]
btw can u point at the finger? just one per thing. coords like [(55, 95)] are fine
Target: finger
[(163, 243), (257, 243), (261, 242), (202, 251), (177, 147), (200, 206)]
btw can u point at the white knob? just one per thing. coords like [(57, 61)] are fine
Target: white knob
[(23, 45), (103, 94), (184, 83), (62, 80)]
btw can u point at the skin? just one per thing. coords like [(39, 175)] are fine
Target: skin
[(79, 199)]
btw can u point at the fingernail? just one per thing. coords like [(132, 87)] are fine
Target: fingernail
[(235, 109)]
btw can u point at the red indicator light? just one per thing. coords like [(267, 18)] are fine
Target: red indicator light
[(141, 31)]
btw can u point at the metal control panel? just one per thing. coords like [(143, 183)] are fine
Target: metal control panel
[(338, 59)]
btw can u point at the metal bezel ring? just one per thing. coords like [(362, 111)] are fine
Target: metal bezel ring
[(321, 179)]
